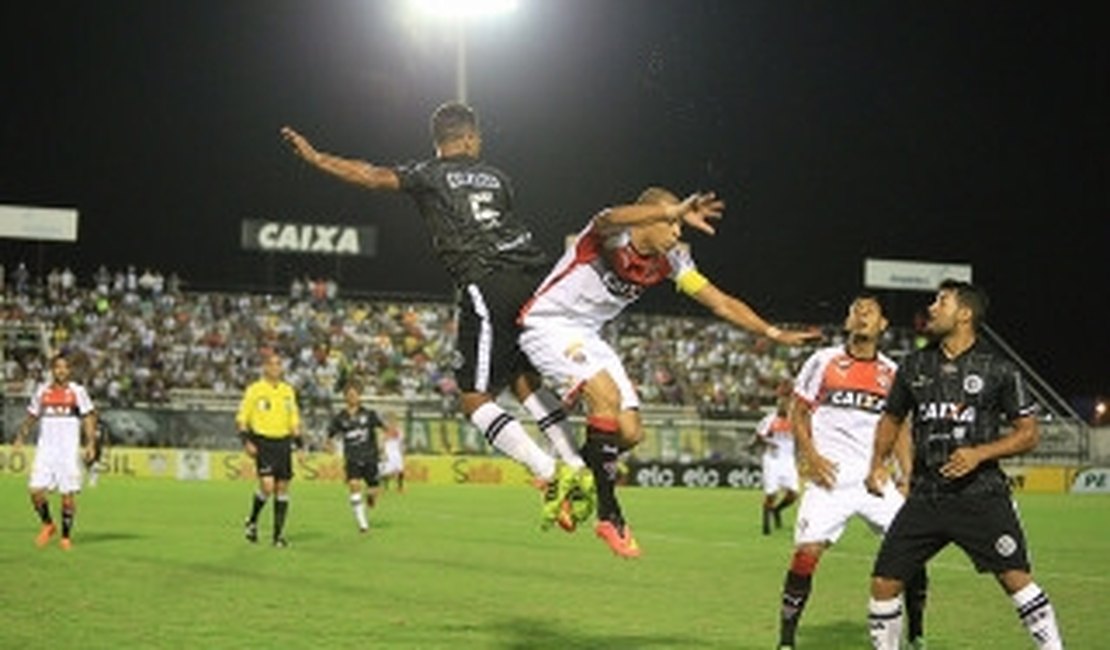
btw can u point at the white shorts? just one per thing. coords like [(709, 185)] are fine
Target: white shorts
[(824, 513), (569, 357), (391, 465), (779, 474), (56, 465)]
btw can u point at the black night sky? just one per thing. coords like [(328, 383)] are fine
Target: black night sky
[(972, 132)]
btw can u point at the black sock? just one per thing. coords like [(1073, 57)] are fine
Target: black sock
[(257, 504), (916, 590), (67, 519), (43, 510), (767, 519), (795, 592), (600, 453), (281, 506)]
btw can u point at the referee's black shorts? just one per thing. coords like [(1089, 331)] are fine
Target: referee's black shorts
[(274, 457), (985, 526), (488, 332)]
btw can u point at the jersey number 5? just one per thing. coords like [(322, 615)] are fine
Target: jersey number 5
[(483, 213)]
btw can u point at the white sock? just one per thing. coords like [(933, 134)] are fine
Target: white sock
[(1038, 617), (885, 619), (552, 420), (508, 436), (359, 509)]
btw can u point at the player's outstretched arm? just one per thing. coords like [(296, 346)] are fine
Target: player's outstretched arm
[(738, 313), (358, 172), (695, 211)]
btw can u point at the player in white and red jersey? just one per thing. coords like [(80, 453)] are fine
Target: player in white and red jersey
[(775, 434), (621, 252), (838, 398), (64, 412)]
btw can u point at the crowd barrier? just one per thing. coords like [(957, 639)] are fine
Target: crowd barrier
[(221, 465)]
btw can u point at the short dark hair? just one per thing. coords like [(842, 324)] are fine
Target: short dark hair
[(969, 295), (864, 294), (452, 121), (354, 384), (61, 356)]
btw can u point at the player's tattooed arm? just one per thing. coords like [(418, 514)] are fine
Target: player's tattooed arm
[(903, 456), (819, 469), (358, 172)]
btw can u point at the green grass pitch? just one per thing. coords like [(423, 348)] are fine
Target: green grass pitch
[(162, 564)]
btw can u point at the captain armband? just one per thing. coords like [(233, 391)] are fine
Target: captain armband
[(690, 282)]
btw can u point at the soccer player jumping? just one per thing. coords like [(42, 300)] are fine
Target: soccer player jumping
[(468, 207), (621, 252)]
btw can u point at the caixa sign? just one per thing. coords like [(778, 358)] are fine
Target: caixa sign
[(703, 475), (310, 238)]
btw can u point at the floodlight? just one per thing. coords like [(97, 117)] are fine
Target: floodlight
[(462, 9)]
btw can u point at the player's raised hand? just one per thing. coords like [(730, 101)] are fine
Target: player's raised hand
[(821, 470), (299, 143), (699, 208)]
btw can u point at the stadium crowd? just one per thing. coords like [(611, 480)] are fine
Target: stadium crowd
[(136, 336)]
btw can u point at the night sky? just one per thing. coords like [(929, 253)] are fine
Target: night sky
[(967, 132)]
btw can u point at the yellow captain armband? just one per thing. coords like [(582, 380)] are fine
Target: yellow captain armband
[(691, 282)]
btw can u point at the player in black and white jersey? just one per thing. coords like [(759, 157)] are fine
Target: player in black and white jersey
[(957, 392), (468, 208), (357, 426)]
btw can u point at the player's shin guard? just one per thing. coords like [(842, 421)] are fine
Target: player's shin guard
[(506, 434), (600, 452), (257, 504), (1038, 617), (69, 511), (916, 591), (795, 592), (42, 508), (552, 420), (281, 508), (885, 623)]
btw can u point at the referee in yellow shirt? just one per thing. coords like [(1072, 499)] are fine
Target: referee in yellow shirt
[(269, 424)]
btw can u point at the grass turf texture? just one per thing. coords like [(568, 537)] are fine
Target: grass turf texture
[(163, 564)]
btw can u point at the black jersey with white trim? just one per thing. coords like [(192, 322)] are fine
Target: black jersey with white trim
[(955, 403), (360, 441), (468, 208)]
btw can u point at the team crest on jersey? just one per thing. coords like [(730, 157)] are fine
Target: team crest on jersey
[(973, 384), (575, 353)]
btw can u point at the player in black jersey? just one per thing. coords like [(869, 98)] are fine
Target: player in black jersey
[(468, 208), (957, 391), (358, 426)]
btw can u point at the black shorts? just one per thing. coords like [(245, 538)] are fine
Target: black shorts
[(274, 457), (985, 526), (362, 468), (488, 331)]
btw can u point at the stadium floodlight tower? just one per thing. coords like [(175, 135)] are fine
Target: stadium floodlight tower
[(462, 12)]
